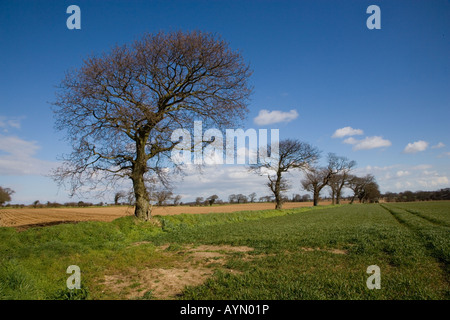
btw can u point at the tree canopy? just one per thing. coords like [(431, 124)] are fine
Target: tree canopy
[(120, 108)]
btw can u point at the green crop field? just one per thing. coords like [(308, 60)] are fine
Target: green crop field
[(305, 253)]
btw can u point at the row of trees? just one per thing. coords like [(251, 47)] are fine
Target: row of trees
[(160, 197), (406, 196), (364, 189), (166, 197), (336, 174), (294, 154), (49, 204)]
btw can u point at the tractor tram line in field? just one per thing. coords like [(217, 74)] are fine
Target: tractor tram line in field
[(429, 219), (431, 232), (420, 218)]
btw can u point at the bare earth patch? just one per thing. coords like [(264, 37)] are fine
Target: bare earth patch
[(198, 265), (162, 283)]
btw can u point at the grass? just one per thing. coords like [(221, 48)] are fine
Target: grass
[(304, 253)]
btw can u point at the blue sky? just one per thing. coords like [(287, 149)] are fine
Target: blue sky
[(390, 87)]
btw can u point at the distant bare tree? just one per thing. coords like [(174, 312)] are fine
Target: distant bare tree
[(131, 198), (341, 167), (161, 196), (212, 199), (119, 195), (358, 186), (5, 195), (306, 197), (198, 201), (241, 198), (316, 178), (252, 197), (119, 109), (176, 200), (371, 192), (292, 154), (265, 199)]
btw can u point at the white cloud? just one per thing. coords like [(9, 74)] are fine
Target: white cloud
[(368, 143), (346, 131), (400, 177), (17, 146), (427, 183), (360, 144), (387, 171), (350, 140), (377, 168), (402, 173), (17, 157), (422, 167), (269, 117), (7, 123), (416, 146), (439, 181), (438, 146)]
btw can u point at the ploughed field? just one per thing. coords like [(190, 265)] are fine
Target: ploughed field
[(34, 217)]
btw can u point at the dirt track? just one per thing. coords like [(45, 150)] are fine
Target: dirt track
[(30, 217)]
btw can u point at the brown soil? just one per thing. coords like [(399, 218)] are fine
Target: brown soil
[(24, 218)]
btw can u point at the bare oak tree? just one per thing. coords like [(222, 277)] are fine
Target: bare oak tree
[(161, 196), (119, 195), (5, 195), (316, 178), (211, 199), (292, 154), (176, 200), (119, 109), (341, 167), (198, 201), (363, 187), (232, 198), (371, 192)]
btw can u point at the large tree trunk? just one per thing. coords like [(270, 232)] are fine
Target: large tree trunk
[(339, 191), (316, 198), (278, 200), (338, 196), (142, 205), (279, 203)]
